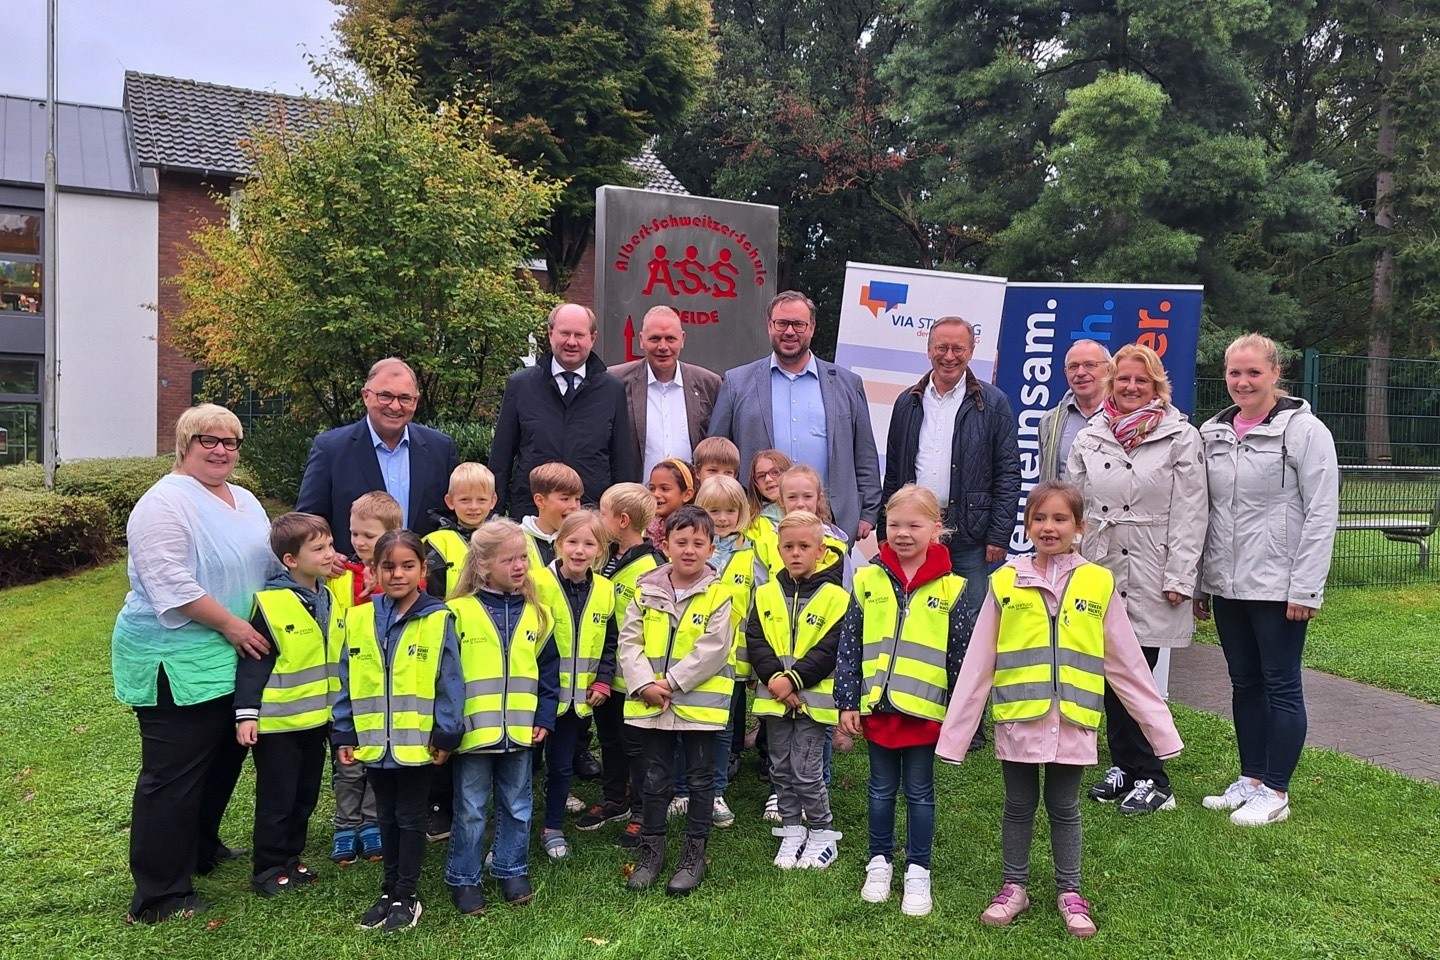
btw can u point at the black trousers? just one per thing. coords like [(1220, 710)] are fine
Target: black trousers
[(620, 755), (189, 762), (402, 799), (288, 769), (658, 747), (1129, 750), (442, 790)]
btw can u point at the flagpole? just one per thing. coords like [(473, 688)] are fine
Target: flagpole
[(49, 433)]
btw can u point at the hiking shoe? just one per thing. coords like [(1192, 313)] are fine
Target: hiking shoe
[(437, 827), (346, 848), (820, 850), (792, 844), (1265, 806), (723, 817), (649, 864), (1075, 911), (574, 804), (587, 767), (403, 914), (772, 809), (1009, 903), (1113, 787), (916, 902), (1234, 796), (879, 872), (468, 899), (271, 883), (516, 890), (692, 868), (679, 807), (1145, 797), (371, 847), (629, 837), (375, 916), (601, 814)]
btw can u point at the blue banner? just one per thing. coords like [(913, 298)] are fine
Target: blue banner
[(1039, 323)]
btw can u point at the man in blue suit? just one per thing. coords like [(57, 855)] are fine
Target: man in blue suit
[(383, 451), (808, 408)]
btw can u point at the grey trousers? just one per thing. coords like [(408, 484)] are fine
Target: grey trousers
[(354, 800), (1017, 827), (797, 760)]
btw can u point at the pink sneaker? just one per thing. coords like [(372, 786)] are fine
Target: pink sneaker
[(1009, 903), (1075, 911)]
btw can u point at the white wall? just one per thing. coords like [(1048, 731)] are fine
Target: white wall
[(107, 283)]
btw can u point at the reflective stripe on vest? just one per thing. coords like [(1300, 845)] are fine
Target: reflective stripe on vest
[(342, 601), (532, 550), (626, 581), (905, 640), (394, 704), (501, 691), (709, 701), (1039, 657), (793, 633), (297, 696), (453, 549), (579, 655), (738, 581)]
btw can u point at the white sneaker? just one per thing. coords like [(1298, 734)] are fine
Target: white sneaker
[(792, 844), (679, 807), (820, 850), (916, 902), (723, 817), (1234, 796), (574, 804), (878, 874), (1264, 807), (772, 809)]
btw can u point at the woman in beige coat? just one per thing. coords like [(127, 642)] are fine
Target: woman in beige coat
[(1139, 466)]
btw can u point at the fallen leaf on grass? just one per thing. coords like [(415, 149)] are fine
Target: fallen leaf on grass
[(847, 783), (626, 869), (23, 775), (80, 729), (597, 941), (29, 795), (216, 924)]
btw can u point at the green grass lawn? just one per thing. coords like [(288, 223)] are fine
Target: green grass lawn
[(1354, 874)]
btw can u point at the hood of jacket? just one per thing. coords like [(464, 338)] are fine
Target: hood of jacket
[(654, 589), (936, 564), (1283, 405), (531, 525)]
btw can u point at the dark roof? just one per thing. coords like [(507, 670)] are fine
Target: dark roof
[(92, 149), (187, 125)]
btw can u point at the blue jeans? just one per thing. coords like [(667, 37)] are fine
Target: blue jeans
[(475, 776), (968, 560), (560, 766), (914, 769), (1262, 650)]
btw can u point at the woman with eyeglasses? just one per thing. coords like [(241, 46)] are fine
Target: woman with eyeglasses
[(1274, 505), (199, 550)]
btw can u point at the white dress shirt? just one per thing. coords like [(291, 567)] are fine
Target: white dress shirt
[(558, 373), (937, 438), (667, 429)]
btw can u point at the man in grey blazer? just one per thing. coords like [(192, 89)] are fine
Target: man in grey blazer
[(669, 402), (809, 408)]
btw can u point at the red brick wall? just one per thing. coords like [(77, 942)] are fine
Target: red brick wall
[(186, 203)]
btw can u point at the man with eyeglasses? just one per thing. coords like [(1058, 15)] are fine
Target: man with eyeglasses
[(809, 408), (1087, 366), (384, 450)]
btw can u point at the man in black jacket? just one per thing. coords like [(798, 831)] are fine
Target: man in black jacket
[(566, 408), (955, 436)]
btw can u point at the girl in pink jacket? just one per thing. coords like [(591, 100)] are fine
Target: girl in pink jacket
[(1051, 634)]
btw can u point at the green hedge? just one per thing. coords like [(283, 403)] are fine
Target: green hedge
[(118, 481), (43, 534)]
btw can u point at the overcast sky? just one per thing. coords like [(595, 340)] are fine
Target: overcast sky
[(243, 43)]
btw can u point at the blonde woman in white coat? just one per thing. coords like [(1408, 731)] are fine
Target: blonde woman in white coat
[(1274, 503), (1138, 464)]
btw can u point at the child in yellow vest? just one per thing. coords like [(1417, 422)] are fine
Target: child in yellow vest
[(794, 632), (404, 654), (1051, 634), (512, 681), (676, 647), (282, 700), (672, 484), (557, 490), (766, 510), (893, 683), (470, 499)]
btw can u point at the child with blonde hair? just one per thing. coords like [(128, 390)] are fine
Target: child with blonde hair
[(470, 499)]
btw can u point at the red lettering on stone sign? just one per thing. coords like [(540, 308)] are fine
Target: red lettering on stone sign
[(690, 276), (723, 273)]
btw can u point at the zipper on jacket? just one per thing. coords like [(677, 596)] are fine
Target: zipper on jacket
[(505, 676), (794, 628), (902, 610)]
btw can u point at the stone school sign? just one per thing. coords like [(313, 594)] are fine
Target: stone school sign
[(712, 260)]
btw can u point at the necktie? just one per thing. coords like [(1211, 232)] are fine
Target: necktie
[(571, 377)]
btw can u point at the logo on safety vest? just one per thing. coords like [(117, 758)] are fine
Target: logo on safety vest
[(814, 620), (596, 618), (698, 619), (937, 603)]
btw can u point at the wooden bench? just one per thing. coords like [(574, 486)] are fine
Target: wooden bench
[(1414, 520)]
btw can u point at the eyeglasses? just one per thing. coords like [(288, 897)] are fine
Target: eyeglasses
[(951, 349), (210, 443), (1089, 365), (767, 474), (799, 326), (385, 397)]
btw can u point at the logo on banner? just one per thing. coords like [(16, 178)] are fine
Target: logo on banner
[(880, 295)]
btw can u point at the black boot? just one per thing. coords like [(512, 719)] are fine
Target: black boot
[(692, 868), (649, 864)]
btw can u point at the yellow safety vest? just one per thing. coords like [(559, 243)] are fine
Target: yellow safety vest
[(297, 696), (835, 551), (738, 581), (501, 692), (532, 550), (709, 701), (794, 633), (1039, 657), (580, 645), (453, 548), (904, 643), (626, 581), (761, 534), (394, 704)]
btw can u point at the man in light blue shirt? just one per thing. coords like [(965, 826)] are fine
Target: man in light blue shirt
[(798, 413), (394, 468)]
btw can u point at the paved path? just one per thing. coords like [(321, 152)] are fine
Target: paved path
[(1387, 729)]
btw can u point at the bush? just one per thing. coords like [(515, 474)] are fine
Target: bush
[(274, 455), (118, 481), (472, 438), (43, 534)]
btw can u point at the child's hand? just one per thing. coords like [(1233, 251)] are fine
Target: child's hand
[(438, 756), (665, 688), (1175, 598), (346, 756), (368, 582), (247, 732), (850, 722), (538, 734), (653, 695), (793, 702), (595, 698), (781, 687)]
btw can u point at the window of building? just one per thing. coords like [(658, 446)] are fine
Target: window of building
[(20, 261), (19, 409)]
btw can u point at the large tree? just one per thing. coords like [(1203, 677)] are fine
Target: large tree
[(578, 89)]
